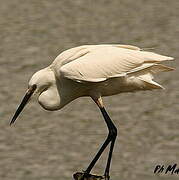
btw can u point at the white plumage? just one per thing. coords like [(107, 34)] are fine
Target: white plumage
[(114, 68), (95, 71), (102, 62)]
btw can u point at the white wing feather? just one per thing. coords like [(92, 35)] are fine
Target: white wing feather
[(102, 62)]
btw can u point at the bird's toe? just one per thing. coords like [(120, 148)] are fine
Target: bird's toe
[(85, 176)]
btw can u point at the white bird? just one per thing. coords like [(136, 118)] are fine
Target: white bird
[(95, 71)]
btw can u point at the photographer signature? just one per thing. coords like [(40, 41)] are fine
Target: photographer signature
[(169, 169)]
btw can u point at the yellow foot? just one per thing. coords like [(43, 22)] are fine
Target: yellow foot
[(83, 176)]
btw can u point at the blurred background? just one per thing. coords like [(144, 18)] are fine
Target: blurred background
[(53, 145)]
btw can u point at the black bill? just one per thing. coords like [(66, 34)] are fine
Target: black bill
[(27, 96)]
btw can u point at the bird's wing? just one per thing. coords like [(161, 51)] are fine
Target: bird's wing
[(99, 64), (77, 52)]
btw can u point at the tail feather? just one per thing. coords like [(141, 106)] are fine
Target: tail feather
[(157, 68), (149, 83), (153, 68)]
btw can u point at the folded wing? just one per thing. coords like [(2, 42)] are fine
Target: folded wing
[(102, 63)]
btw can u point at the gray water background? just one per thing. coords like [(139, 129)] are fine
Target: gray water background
[(53, 145)]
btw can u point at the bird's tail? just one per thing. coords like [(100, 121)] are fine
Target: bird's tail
[(145, 74)]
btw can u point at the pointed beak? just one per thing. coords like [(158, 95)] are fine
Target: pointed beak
[(26, 98)]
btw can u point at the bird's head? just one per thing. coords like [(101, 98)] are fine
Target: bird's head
[(41, 81)]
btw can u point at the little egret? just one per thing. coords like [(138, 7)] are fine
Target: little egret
[(95, 71)]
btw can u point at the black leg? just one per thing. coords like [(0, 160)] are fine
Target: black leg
[(110, 138), (113, 134), (93, 162), (106, 173)]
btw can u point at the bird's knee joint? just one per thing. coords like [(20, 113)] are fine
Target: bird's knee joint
[(113, 132)]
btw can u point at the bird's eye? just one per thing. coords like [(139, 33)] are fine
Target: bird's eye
[(34, 86)]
